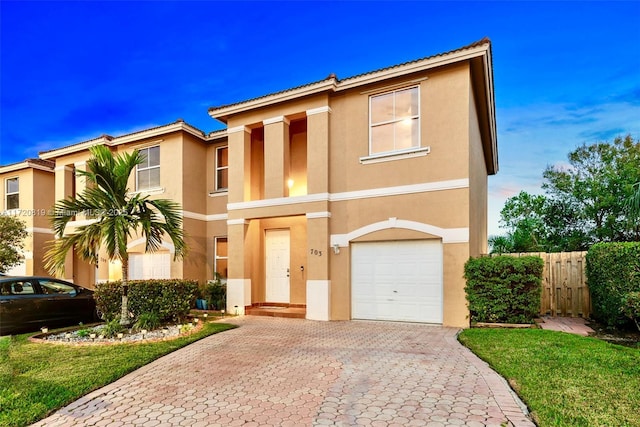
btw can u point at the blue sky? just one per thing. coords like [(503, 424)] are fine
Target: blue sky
[(566, 73)]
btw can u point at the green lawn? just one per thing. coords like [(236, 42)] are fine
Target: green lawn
[(565, 380), (36, 379)]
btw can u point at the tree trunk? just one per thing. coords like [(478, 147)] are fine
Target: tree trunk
[(124, 312)]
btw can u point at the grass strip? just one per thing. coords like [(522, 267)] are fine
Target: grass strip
[(36, 379), (565, 379)]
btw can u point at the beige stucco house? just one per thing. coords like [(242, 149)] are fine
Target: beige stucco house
[(27, 193), (355, 198)]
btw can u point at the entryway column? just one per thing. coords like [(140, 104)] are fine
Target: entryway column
[(318, 255), (318, 150), (239, 164), (276, 157), (238, 282)]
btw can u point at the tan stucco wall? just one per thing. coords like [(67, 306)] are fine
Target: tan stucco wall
[(478, 192)]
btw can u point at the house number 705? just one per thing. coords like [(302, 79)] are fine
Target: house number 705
[(315, 252)]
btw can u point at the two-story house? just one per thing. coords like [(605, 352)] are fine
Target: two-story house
[(363, 197), (27, 193), (355, 198)]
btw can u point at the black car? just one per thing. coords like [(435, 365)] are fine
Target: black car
[(30, 303)]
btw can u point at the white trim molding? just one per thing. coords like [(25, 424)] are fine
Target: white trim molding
[(202, 217), (241, 128), (425, 187), (39, 230), (398, 155), (401, 190), (448, 235), (148, 191), (279, 201), (318, 300), (276, 119), (313, 215), (319, 110), (141, 240), (238, 295), (238, 221)]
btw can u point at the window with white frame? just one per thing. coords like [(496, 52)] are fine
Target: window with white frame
[(220, 257), (222, 168), (12, 194), (394, 121), (148, 172)]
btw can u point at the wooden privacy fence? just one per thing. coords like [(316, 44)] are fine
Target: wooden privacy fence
[(564, 285)]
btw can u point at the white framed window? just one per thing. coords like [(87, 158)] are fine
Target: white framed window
[(220, 257), (12, 194), (222, 168), (394, 121), (148, 172)]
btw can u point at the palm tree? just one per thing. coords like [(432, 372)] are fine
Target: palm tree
[(114, 217)]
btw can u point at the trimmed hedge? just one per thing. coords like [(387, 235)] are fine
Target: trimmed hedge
[(170, 300), (504, 289), (613, 271)]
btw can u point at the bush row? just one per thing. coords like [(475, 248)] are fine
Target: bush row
[(169, 300), (504, 289), (613, 276)]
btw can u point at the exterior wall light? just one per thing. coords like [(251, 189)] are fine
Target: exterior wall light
[(336, 248)]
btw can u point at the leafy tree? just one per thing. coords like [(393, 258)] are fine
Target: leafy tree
[(116, 216), (523, 215), (633, 205), (599, 179), (12, 235), (595, 198)]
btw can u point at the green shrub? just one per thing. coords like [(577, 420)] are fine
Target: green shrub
[(631, 307), (169, 300), (148, 321), (613, 270), (112, 328), (504, 289), (216, 294)]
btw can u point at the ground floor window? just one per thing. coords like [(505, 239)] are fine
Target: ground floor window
[(220, 257)]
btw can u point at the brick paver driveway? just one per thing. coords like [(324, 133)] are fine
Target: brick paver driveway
[(291, 372)]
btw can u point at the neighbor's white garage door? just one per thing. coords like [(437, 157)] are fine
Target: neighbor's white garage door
[(398, 280), (149, 266)]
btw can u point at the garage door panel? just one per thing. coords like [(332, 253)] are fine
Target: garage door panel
[(399, 280)]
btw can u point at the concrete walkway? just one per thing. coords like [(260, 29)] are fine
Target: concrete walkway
[(291, 372)]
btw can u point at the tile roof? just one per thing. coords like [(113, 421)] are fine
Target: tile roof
[(333, 77), (108, 138)]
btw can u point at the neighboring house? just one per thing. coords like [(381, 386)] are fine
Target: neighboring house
[(357, 198), (178, 166), (27, 193)]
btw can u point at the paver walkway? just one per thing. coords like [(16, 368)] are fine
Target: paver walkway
[(292, 372), (572, 325)]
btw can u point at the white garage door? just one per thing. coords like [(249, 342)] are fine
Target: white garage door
[(398, 280), (149, 266)]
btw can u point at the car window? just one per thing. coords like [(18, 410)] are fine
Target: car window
[(52, 287), (18, 287)]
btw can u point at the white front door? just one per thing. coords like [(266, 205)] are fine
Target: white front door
[(277, 265)]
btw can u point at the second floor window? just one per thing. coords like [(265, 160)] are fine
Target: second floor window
[(148, 172), (394, 121), (222, 168), (12, 194)]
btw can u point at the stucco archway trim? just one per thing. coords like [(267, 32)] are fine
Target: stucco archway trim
[(448, 235), (141, 241)]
